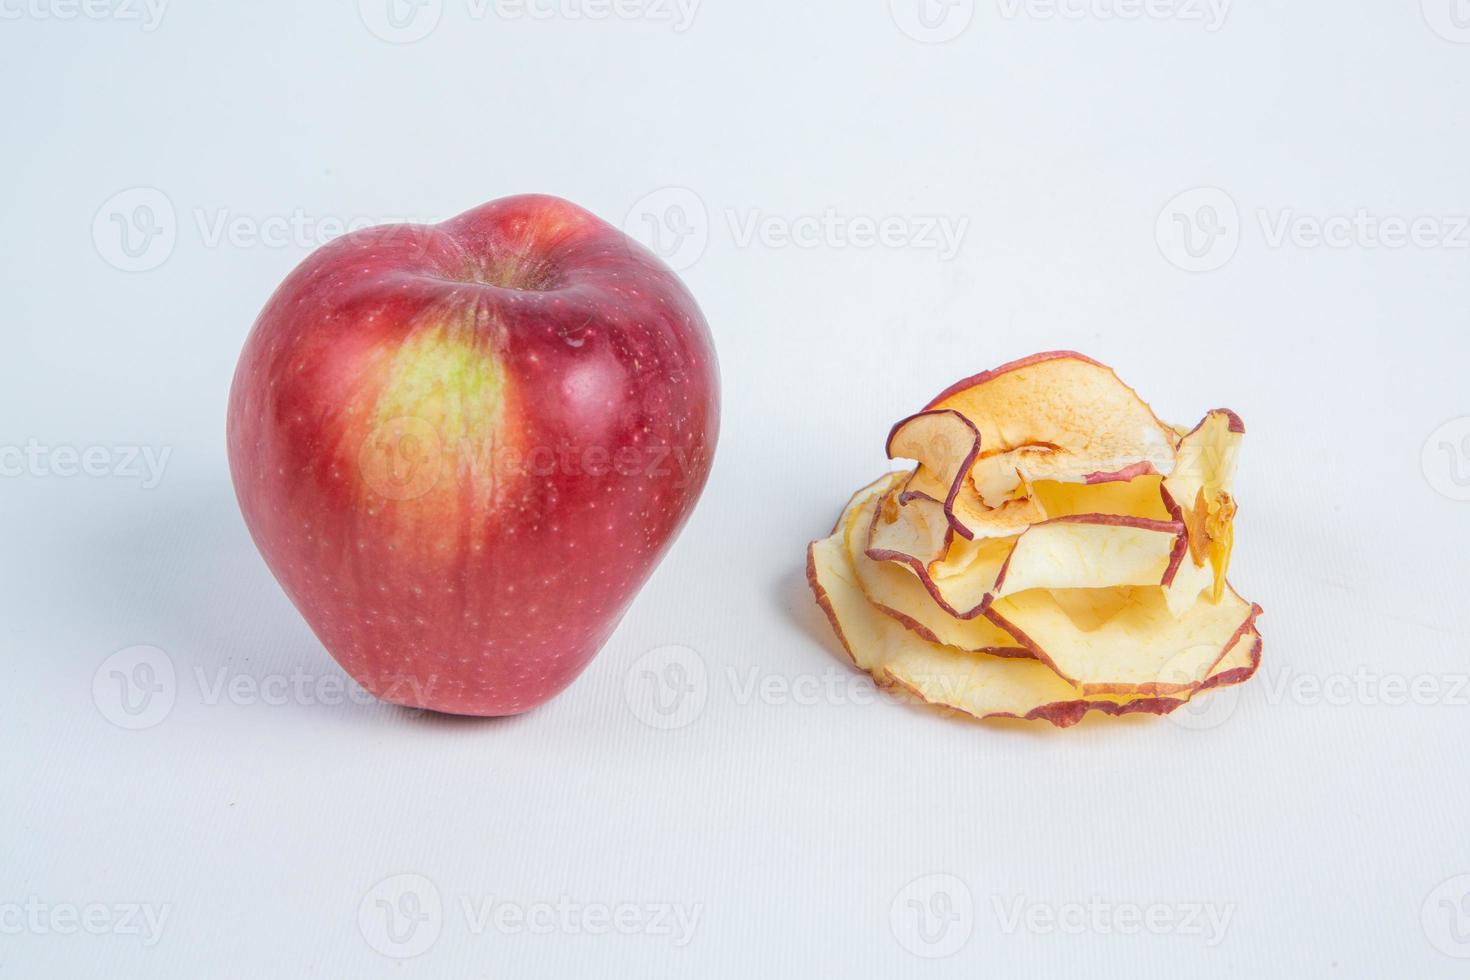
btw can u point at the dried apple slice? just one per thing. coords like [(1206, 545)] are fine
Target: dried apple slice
[(895, 591), (946, 444), (956, 582), (1141, 496), (916, 533), (1197, 493), (1126, 639), (1077, 551), (1089, 551), (968, 683), (1237, 666), (973, 518), (1196, 563), (977, 684), (1061, 417), (1188, 582), (1057, 549)]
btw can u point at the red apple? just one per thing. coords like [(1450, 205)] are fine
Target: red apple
[(463, 448)]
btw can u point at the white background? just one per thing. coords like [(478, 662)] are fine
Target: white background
[(1320, 810)]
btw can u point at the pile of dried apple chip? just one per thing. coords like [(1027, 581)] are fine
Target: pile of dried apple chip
[(1056, 550)]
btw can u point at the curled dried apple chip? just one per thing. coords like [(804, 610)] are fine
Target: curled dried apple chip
[(1124, 640), (946, 446), (1079, 551), (1058, 416), (895, 591), (1002, 681), (1197, 492), (1055, 549)]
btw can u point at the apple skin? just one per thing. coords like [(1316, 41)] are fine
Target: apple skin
[(463, 448)]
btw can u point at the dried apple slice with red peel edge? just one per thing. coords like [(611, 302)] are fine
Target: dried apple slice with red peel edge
[(946, 444), (977, 684), (1078, 551), (972, 566), (1237, 666), (907, 597), (1058, 416), (1125, 640), (1141, 496), (1090, 551), (896, 592), (915, 532), (1198, 560), (1197, 493)]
